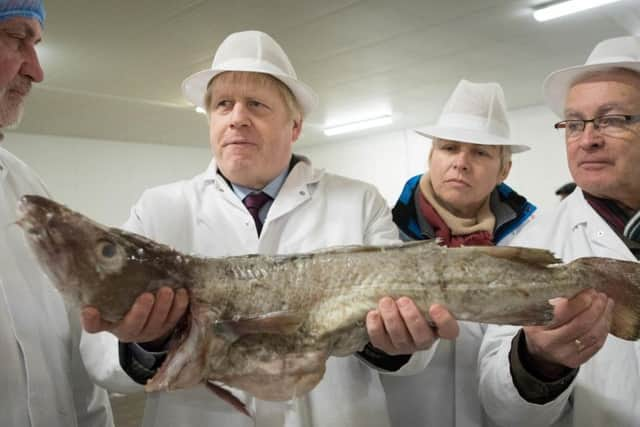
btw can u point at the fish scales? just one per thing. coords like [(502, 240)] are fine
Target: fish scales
[(267, 324)]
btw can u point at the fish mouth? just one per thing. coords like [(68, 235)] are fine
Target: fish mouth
[(38, 224)]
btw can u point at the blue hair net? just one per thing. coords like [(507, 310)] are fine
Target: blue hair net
[(25, 8)]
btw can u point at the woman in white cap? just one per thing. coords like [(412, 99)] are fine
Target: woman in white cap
[(461, 199)]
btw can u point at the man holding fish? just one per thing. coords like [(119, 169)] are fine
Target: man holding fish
[(572, 373), (44, 382), (257, 197)]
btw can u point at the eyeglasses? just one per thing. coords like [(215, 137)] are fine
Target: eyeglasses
[(611, 125)]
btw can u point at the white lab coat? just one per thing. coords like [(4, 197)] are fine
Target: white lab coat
[(312, 210), (44, 382), (606, 391)]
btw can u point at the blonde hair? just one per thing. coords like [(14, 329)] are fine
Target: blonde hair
[(259, 79), (504, 154), (505, 157)]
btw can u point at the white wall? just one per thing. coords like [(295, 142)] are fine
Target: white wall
[(104, 178)]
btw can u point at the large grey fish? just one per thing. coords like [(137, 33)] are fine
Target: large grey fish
[(267, 324)]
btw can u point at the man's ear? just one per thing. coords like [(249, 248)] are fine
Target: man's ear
[(296, 129)]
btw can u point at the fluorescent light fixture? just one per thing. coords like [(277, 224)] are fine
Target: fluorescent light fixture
[(360, 125), (556, 10), (201, 110)]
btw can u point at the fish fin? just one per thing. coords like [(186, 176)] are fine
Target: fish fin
[(280, 377), (346, 249), (355, 249), (529, 256), (537, 314), (229, 397), (620, 280), (277, 323), (186, 361), (367, 248)]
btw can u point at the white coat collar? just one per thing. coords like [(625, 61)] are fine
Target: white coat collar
[(298, 187), (599, 232), (304, 172)]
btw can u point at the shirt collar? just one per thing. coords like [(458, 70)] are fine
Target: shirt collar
[(271, 189)]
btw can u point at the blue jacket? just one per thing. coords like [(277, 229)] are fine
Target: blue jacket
[(510, 208)]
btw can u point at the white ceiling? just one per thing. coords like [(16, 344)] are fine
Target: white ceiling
[(113, 68)]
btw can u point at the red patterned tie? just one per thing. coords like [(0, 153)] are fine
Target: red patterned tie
[(254, 202)]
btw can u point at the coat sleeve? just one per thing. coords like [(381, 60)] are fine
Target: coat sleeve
[(91, 401), (502, 401), (379, 226), (101, 355)]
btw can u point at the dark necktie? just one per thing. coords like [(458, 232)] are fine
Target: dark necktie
[(254, 202)]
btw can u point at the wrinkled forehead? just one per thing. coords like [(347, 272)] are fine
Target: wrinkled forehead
[(29, 26), (613, 89)]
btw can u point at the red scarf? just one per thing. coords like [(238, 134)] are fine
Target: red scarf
[(443, 232)]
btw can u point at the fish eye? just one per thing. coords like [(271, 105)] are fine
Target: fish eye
[(107, 249), (110, 257)]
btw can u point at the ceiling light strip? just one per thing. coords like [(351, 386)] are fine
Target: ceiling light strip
[(557, 10), (360, 125)]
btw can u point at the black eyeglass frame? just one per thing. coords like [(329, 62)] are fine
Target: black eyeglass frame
[(628, 119)]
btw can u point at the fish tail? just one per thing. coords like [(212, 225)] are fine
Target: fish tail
[(620, 280)]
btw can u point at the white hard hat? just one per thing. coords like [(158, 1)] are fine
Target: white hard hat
[(252, 51), (475, 113), (620, 52)]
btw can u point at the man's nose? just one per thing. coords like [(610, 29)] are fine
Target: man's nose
[(591, 136), (31, 65), (239, 115)]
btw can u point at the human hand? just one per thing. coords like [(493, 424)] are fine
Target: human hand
[(399, 327), (152, 318), (579, 329)]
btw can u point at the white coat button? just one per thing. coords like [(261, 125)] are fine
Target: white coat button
[(600, 233)]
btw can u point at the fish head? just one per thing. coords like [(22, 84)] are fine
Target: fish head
[(92, 264)]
